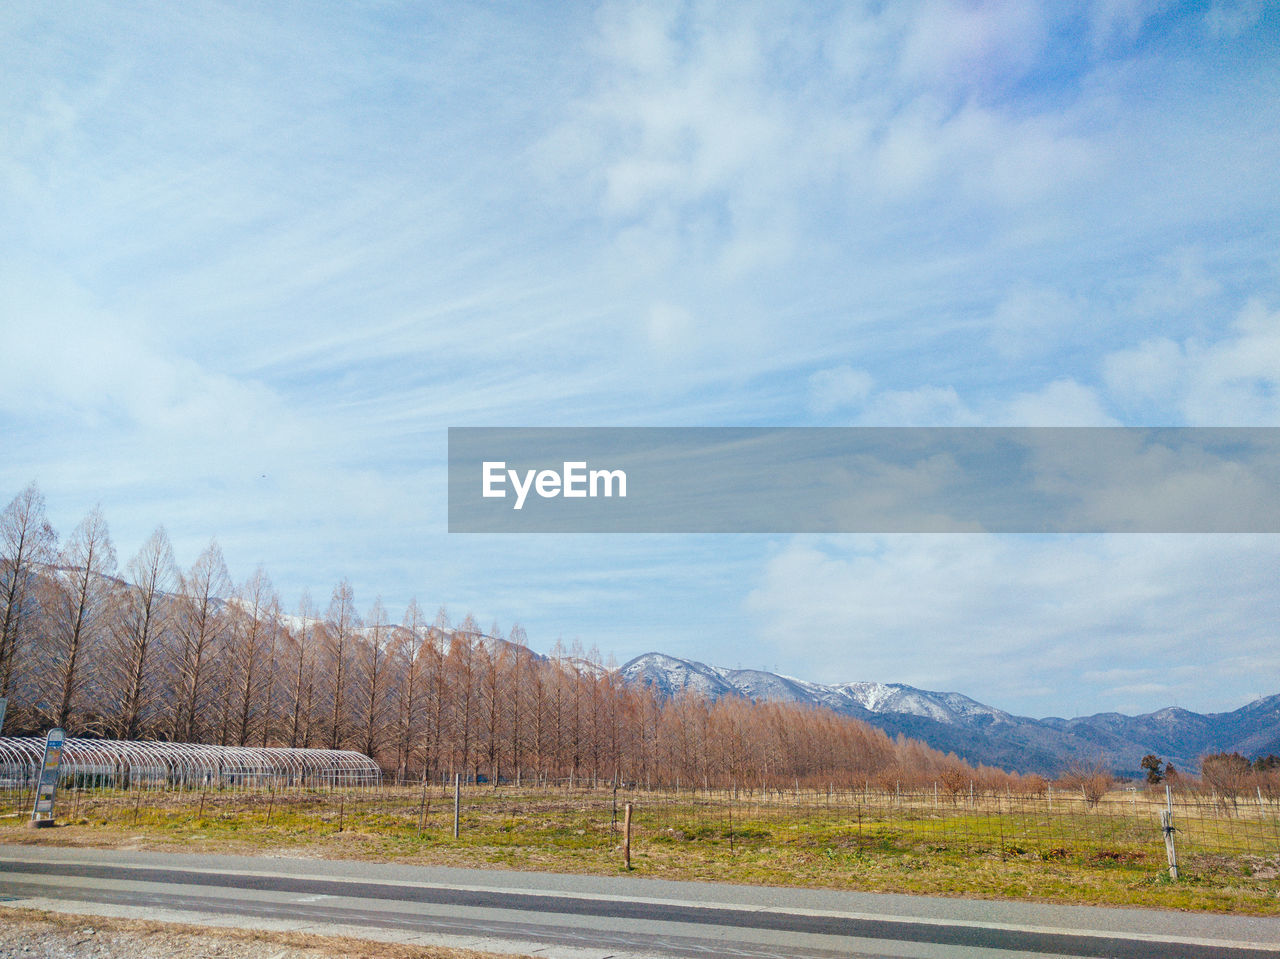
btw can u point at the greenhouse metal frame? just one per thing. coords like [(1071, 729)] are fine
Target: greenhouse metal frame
[(97, 763)]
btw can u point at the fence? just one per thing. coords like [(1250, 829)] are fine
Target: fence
[(923, 824), (1055, 824), (1124, 824), (926, 822)]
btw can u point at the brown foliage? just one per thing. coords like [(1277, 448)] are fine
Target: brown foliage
[(189, 657), (1093, 780)]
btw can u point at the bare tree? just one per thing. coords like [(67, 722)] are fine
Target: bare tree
[(1228, 775), (374, 680), (200, 626), (494, 662), (1093, 779), (78, 616), (537, 735), (169, 663), (252, 630), (27, 545), (461, 666), (302, 670), (275, 630), (647, 714), (439, 704), (517, 697), (560, 678), (576, 726), (409, 655), (139, 629), (252, 611), (340, 625)]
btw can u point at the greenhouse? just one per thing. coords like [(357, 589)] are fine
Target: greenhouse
[(95, 763)]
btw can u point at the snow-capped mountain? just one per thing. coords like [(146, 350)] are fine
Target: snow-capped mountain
[(983, 734), (669, 674)]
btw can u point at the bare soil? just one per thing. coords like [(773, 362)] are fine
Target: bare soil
[(37, 934)]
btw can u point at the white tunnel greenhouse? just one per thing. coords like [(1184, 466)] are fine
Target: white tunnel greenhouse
[(90, 763)]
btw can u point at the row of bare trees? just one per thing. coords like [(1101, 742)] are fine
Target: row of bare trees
[(154, 651)]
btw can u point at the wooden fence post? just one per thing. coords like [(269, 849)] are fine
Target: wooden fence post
[(1166, 824)]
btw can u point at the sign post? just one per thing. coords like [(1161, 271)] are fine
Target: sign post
[(42, 812)]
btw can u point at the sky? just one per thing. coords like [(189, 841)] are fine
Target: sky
[(256, 259)]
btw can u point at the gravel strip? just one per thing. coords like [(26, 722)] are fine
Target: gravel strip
[(36, 934)]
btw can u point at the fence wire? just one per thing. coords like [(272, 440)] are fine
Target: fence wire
[(1124, 826)]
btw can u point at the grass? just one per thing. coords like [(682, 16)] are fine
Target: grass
[(1075, 856)]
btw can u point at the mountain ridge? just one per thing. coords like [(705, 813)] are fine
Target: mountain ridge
[(979, 733)]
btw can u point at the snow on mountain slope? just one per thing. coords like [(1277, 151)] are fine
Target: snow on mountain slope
[(953, 722), (669, 674)]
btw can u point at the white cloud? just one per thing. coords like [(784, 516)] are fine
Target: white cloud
[(382, 223), (65, 356), (1033, 320), (970, 45), (1230, 381), (1231, 18), (1114, 21), (1064, 402), (850, 396), (670, 329), (727, 127), (1136, 481), (838, 388), (1183, 283), (157, 437), (1031, 625), (922, 406)]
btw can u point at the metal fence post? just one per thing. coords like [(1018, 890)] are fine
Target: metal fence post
[(626, 842)]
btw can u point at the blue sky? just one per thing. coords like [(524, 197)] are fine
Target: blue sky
[(256, 259)]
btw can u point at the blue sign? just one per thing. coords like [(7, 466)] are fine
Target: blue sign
[(48, 785)]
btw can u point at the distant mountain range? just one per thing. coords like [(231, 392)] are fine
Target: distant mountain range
[(957, 724), (978, 733)]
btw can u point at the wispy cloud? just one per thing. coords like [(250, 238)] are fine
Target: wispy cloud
[(257, 259), (1036, 626)]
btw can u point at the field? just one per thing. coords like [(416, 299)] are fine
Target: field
[(1053, 848)]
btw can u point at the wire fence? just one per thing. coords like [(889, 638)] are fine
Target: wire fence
[(1124, 826), (1056, 824)]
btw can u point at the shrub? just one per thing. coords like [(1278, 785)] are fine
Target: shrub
[(1092, 779)]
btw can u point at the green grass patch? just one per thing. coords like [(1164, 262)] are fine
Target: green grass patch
[(1072, 857)]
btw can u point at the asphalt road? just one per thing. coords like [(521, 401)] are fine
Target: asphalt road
[(591, 917)]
